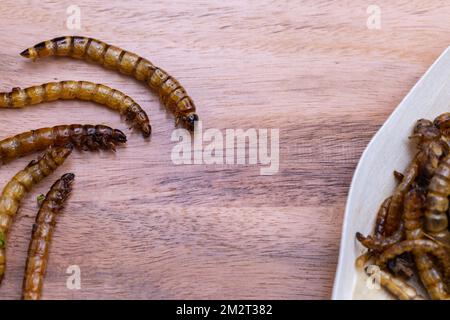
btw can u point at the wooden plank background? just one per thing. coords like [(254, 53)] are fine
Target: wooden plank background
[(139, 226)]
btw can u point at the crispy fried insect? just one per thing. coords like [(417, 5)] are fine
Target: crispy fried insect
[(421, 246), (443, 122), (41, 237), (381, 217), (171, 92), (381, 243), (394, 213), (20, 185), (85, 137), (436, 220), (431, 277), (412, 213), (398, 287), (82, 90), (413, 220)]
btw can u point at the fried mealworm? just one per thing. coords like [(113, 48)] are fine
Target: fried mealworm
[(171, 92), (381, 243), (397, 287), (41, 236), (436, 220), (20, 185), (82, 90), (394, 213), (381, 217), (426, 161), (85, 137), (422, 246), (428, 272)]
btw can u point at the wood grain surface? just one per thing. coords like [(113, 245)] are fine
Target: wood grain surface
[(141, 227)]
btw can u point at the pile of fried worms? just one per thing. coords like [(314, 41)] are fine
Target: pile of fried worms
[(411, 238)]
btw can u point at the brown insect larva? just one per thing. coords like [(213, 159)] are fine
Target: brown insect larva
[(436, 220), (85, 137), (398, 287), (82, 90), (381, 217), (381, 243), (394, 213), (421, 246), (431, 277), (20, 185), (171, 92), (41, 237), (412, 213), (429, 274)]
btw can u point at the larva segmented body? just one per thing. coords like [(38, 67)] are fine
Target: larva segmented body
[(381, 217), (85, 137), (82, 90), (428, 272), (421, 246), (381, 243), (394, 213), (41, 236), (436, 220), (171, 92), (20, 185), (398, 287)]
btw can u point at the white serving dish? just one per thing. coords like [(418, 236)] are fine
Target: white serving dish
[(373, 181)]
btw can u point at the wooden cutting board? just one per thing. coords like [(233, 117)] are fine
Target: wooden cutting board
[(139, 226)]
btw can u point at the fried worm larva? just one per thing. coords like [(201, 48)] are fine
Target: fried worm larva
[(20, 185), (421, 246), (377, 242), (381, 217), (436, 220), (430, 277), (85, 137), (428, 273), (412, 214), (381, 243), (394, 213), (171, 92), (398, 287), (82, 90), (41, 236)]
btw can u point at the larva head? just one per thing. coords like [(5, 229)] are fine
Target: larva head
[(188, 120), (29, 53), (443, 121), (64, 185), (118, 136), (60, 154), (104, 137), (68, 178), (425, 130), (146, 130)]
